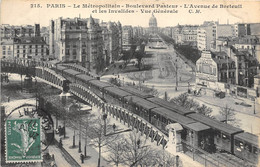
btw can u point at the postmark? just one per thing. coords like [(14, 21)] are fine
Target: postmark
[(23, 140)]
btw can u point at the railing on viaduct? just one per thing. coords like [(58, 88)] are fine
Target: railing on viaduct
[(121, 114), (44, 74)]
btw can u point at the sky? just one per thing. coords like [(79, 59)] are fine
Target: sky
[(22, 12)]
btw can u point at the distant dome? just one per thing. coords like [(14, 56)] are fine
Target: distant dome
[(153, 21)]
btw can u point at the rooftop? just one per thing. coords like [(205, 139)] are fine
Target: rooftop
[(100, 84), (173, 116), (29, 40), (248, 137), (171, 106), (117, 91), (215, 124), (141, 102)]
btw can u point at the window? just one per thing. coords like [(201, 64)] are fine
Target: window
[(4, 47), (23, 46), (248, 147), (18, 46), (74, 52), (30, 51), (23, 51), (30, 46), (4, 52), (18, 51), (255, 150)]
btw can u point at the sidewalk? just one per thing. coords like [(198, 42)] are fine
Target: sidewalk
[(186, 160), (67, 143)]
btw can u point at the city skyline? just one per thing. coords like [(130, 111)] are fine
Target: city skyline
[(10, 15)]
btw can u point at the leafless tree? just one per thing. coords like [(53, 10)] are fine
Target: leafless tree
[(163, 158), (136, 152), (228, 114), (98, 133), (116, 150)]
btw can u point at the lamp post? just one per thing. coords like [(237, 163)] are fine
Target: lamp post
[(78, 109), (105, 123), (176, 74), (254, 105), (63, 97)]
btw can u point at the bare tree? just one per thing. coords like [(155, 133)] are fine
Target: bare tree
[(98, 134), (164, 159), (116, 151), (136, 152), (228, 115)]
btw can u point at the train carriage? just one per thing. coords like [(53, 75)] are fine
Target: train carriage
[(84, 79), (139, 106), (60, 69), (161, 117), (115, 96), (70, 74), (97, 87), (223, 133), (169, 105), (246, 146), (136, 92)]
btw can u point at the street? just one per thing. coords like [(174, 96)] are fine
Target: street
[(164, 80)]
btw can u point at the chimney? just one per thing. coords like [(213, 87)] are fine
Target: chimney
[(37, 31)]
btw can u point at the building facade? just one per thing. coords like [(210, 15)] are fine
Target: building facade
[(6, 49), (30, 48), (77, 40), (112, 38), (207, 70), (127, 37), (9, 32), (206, 35)]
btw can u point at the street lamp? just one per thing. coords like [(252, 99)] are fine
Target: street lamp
[(105, 123), (254, 105), (63, 97), (176, 75)]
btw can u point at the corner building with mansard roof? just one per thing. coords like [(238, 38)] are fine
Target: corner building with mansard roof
[(77, 40)]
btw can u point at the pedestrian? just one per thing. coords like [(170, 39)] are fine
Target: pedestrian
[(8, 99), (60, 143), (82, 158)]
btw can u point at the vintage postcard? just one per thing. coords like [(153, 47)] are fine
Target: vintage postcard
[(130, 83)]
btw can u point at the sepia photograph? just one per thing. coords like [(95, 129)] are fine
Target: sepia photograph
[(120, 83)]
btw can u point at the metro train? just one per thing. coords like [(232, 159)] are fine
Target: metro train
[(199, 131)]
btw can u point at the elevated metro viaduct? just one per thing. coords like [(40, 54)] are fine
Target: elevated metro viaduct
[(42, 72)]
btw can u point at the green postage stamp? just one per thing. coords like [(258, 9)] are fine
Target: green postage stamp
[(23, 140)]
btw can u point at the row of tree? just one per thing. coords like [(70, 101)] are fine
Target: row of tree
[(226, 113)]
